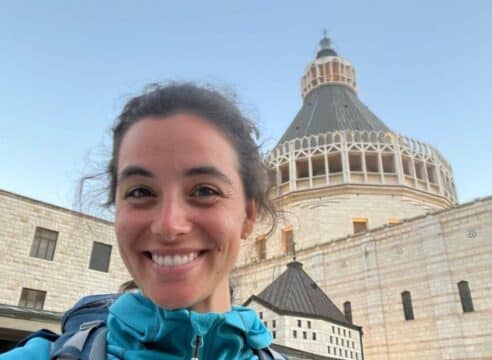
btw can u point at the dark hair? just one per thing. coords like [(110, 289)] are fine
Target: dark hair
[(166, 100)]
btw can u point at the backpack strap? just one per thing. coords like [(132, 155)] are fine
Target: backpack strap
[(77, 346), (269, 354)]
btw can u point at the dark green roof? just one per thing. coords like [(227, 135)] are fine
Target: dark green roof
[(329, 108)]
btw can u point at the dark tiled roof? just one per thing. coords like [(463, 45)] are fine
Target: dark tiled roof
[(295, 292), (330, 108)]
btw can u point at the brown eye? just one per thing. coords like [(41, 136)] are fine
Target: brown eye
[(204, 191), (139, 193)]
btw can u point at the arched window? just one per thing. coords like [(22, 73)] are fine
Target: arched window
[(465, 296), (347, 309), (406, 299)]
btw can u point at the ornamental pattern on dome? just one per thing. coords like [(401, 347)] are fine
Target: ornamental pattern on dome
[(360, 157)]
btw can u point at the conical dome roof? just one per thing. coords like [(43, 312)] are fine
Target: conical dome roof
[(329, 108), (295, 292)]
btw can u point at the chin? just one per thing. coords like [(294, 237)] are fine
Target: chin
[(170, 302)]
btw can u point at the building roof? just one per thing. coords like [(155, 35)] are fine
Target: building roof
[(27, 313), (294, 354), (295, 293), (332, 107)]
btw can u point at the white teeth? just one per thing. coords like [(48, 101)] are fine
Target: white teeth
[(174, 260)]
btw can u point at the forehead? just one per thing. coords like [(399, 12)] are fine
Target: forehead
[(184, 139)]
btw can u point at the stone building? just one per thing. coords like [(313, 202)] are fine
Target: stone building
[(371, 214), (49, 258), (373, 217), (301, 317)]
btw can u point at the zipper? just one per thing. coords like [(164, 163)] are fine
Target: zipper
[(197, 348)]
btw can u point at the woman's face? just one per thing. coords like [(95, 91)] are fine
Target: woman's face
[(180, 211)]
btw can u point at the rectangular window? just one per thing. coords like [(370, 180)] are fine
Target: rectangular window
[(274, 323), (294, 334), (261, 315), (44, 243), (372, 164), (304, 335), (318, 165), (302, 167), (309, 324), (100, 256), (287, 240), (335, 163), (355, 162), (360, 225), (465, 296), (32, 299), (274, 334), (314, 336), (329, 350), (388, 163), (431, 174), (261, 247), (331, 339), (299, 323), (341, 340), (419, 171), (406, 299), (406, 165), (284, 173)]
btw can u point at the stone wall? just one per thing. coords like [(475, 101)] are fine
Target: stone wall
[(317, 220), (427, 256), (67, 277)]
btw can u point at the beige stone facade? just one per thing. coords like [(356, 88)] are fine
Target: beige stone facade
[(312, 335), (65, 278), (427, 256)]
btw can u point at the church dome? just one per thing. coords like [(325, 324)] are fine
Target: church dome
[(335, 140)]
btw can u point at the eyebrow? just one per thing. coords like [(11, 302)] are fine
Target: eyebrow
[(134, 170), (208, 170)]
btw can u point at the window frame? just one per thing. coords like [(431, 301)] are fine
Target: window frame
[(47, 237), (92, 263), (27, 295)]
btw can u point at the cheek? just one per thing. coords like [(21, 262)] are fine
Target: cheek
[(126, 227)]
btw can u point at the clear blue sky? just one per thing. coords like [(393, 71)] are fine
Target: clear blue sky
[(67, 67)]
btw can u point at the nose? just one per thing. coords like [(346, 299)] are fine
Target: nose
[(171, 219)]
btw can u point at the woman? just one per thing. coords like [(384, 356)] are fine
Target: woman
[(188, 182)]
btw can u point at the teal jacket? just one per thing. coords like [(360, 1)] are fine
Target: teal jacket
[(139, 329)]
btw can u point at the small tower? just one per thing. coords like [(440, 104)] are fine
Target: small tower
[(328, 68)]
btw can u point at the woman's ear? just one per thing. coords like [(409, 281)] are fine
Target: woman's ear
[(250, 219)]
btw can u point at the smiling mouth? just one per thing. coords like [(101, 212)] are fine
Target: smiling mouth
[(174, 260)]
